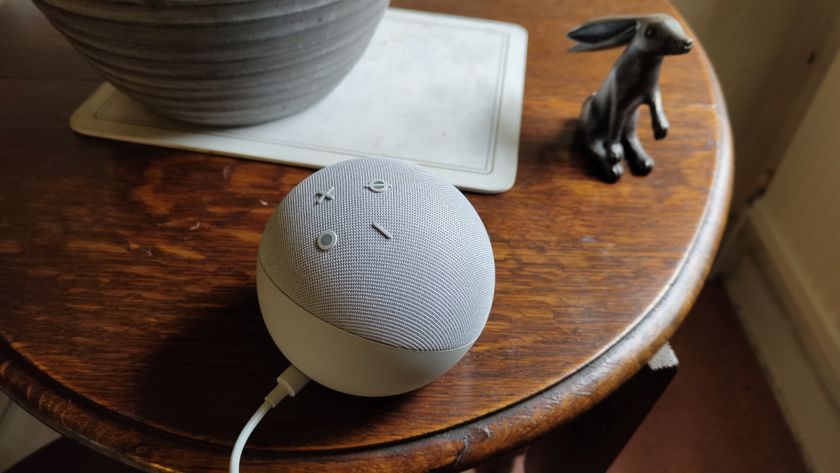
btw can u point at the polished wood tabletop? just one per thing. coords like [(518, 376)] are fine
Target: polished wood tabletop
[(128, 310)]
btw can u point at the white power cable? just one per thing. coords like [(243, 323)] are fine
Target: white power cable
[(288, 384)]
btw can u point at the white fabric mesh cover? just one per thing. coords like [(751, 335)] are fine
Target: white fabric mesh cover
[(430, 287)]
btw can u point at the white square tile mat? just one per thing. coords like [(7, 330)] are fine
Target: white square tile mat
[(440, 90)]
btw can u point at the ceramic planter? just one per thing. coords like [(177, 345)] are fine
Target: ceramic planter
[(220, 62)]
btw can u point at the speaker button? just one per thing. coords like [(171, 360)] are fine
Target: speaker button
[(320, 196), (327, 240), (378, 185), (381, 230)]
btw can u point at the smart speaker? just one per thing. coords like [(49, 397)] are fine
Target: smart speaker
[(374, 277)]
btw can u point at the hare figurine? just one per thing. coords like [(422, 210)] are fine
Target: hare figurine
[(607, 124)]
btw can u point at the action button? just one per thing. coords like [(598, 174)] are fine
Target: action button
[(378, 185), (327, 239)]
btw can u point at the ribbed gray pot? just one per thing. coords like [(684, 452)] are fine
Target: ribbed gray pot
[(220, 62)]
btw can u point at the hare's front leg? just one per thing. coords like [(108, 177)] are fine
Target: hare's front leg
[(657, 114), (639, 161)]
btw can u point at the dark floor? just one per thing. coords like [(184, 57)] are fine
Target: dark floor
[(717, 415)]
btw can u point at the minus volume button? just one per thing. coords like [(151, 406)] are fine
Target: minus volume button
[(381, 230)]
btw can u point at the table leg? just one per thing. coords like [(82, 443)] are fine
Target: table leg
[(592, 441)]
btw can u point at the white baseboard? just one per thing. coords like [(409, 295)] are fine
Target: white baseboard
[(20, 433), (810, 319), (798, 373)]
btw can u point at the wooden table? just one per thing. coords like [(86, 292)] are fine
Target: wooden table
[(132, 328)]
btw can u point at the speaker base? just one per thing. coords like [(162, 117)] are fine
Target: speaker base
[(340, 360)]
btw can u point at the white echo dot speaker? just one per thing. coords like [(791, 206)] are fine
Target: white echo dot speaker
[(375, 277)]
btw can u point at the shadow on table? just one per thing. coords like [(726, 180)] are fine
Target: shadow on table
[(565, 148), (207, 380)]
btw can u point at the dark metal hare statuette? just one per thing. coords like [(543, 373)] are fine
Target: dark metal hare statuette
[(608, 120)]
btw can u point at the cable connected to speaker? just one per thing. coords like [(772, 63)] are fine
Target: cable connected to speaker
[(288, 384)]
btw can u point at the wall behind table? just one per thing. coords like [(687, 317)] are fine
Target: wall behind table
[(770, 57), (798, 221)]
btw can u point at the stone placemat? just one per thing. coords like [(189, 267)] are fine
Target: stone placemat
[(442, 91)]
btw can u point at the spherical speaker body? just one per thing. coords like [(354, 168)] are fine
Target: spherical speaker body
[(375, 277)]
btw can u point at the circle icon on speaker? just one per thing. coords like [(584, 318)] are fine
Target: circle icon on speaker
[(378, 185), (327, 239)]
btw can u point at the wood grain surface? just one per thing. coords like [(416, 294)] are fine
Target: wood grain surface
[(128, 313)]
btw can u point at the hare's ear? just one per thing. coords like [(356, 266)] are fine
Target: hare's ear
[(603, 33)]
